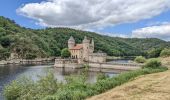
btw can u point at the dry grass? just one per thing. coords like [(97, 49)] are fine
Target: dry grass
[(165, 61), (148, 87)]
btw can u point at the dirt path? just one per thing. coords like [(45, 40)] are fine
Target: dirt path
[(148, 87)]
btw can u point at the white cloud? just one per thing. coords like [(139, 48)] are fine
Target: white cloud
[(92, 13), (161, 32)]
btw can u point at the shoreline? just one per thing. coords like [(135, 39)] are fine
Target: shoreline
[(26, 61)]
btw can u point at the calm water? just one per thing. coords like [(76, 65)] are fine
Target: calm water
[(9, 73)]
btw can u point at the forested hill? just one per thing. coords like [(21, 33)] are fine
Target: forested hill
[(49, 42)]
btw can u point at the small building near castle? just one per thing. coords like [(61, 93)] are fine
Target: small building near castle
[(85, 52)]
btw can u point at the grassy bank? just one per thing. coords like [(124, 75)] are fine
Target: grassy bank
[(47, 88), (146, 87)]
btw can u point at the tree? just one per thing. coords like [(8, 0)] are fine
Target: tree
[(4, 53), (153, 63), (30, 56), (153, 53), (140, 59), (65, 53), (165, 52)]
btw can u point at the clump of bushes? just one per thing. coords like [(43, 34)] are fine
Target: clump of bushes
[(165, 53), (153, 63), (140, 59), (65, 53), (25, 88)]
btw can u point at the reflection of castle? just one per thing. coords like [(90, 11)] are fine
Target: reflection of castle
[(84, 51)]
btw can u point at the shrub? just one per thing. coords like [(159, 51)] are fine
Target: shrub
[(165, 52), (65, 53), (26, 89), (102, 76), (152, 63), (30, 56), (155, 52), (140, 59)]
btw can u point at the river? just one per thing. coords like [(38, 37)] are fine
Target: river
[(9, 73)]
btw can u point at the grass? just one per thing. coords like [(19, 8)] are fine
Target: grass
[(146, 87)]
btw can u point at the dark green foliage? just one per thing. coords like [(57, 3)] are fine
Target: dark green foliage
[(50, 41), (30, 56), (153, 53), (65, 53), (102, 76), (4, 53), (153, 63), (165, 53), (75, 88), (5, 41), (140, 59)]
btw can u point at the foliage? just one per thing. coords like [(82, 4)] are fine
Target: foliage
[(153, 53), (50, 41), (102, 76), (25, 88), (153, 63), (65, 53), (30, 56), (165, 52), (140, 59), (75, 88), (4, 53)]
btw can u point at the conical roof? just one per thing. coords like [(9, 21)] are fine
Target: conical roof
[(71, 39), (85, 39)]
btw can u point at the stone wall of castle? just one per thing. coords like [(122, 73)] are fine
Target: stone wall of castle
[(98, 57)]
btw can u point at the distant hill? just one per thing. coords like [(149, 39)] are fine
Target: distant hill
[(49, 42)]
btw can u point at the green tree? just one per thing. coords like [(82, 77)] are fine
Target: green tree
[(4, 53), (153, 63), (153, 53), (140, 59), (165, 52), (65, 53), (30, 56)]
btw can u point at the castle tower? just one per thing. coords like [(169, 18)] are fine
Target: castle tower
[(71, 43), (86, 47), (92, 44)]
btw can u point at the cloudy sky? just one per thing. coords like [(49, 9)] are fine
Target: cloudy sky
[(124, 18)]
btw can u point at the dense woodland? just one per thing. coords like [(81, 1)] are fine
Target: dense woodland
[(31, 43)]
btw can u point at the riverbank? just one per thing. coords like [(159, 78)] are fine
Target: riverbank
[(26, 61), (147, 87)]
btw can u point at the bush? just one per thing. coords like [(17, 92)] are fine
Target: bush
[(152, 63), (65, 53), (153, 53), (165, 53), (140, 59), (25, 88), (30, 56), (4, 53)]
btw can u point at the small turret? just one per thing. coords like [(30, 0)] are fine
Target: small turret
[(86, 40), (92, 45), (71, 42), (92, 42)]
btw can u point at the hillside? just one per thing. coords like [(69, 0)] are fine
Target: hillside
[(29, 43), (148, 87)]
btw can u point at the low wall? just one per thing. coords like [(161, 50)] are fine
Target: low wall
[(99, 66), (114, 66), (72, 65), (24, 61)]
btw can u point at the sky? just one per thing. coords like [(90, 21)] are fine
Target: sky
[(122, 18)]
